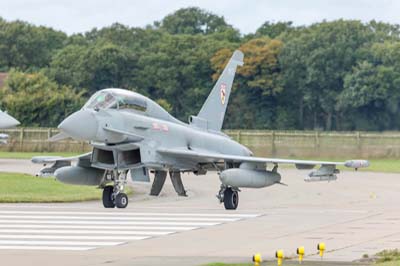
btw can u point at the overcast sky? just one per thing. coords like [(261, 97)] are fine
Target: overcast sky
[(73, 16)]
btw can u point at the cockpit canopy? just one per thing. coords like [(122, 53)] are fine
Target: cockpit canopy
[(116, 99), (127, 100)]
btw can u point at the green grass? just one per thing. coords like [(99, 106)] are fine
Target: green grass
[(27, 188), (379, 165), (228, 264), (389, 263), (388, 258), (384, 165), (293, 263), (383, 258), (29, 155)]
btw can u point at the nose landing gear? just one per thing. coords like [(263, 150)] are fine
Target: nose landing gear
[(121, 200), (113, 196), (108, 201)]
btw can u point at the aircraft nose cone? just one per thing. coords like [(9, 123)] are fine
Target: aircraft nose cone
[(81, 125), (7, 121)]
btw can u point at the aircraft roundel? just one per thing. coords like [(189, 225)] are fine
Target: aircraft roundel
[(223, 93)]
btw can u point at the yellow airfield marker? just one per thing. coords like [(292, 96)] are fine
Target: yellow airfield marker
[(321, 249), (279, 255), (300, 252), (257, 259)]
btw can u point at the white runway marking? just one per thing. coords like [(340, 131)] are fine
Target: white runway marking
[(79, 237), (121, 218), (111, 223), (46, 248), (58, 243), (124, 228), (76, 230), (136, 214), (96, 232)]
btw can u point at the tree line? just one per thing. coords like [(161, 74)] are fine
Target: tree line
[(338, 75)]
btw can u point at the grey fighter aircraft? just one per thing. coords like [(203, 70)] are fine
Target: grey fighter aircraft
[(6, 121), (131, 133)]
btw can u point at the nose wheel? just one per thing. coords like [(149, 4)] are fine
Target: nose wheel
[(112, 199), (121, 200), (108, 201), (113, 196)]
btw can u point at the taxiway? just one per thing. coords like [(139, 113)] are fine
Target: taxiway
[(355, 215)]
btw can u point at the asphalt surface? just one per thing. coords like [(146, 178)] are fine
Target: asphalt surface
[(357, 214)]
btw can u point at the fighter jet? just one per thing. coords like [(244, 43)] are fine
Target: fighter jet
[(131, 133), (6, 121)]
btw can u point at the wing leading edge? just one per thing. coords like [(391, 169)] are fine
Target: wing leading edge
[(59, 162), (214, 157)]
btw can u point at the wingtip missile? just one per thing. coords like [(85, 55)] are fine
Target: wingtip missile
[(357, 164)]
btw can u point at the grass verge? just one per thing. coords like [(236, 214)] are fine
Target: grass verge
[(29, 155), (228, 264), (388, 258), (26, 188), (383, 258), (223, 264), (293, 263)]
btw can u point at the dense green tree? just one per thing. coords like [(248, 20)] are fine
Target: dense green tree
[(339, 75), (274, 30), (193, 20), (384, 31), (94, 66), (25, 46), (315, 63), (372, 90), (132, 38), (38, 101), (260, 83), (177, 69)]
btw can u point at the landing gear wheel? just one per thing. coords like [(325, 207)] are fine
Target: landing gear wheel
[(231, 199), (108, 201), (121, 200)]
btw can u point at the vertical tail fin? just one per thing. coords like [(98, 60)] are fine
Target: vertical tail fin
[(213, 110)]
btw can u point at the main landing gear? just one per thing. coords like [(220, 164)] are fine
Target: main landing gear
[(113, 196), (229, 196)]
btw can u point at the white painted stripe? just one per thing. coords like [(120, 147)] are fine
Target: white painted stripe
[(46, 248), (58, 243), (110, 232), (116, 213), (105, 222), (79, 237), (118, 218), (108, 227)]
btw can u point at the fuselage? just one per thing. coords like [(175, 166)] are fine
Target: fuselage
[(150, 128)]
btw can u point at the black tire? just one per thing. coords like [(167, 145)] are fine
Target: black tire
[(231, 199), (108, 201), (121, 200)]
